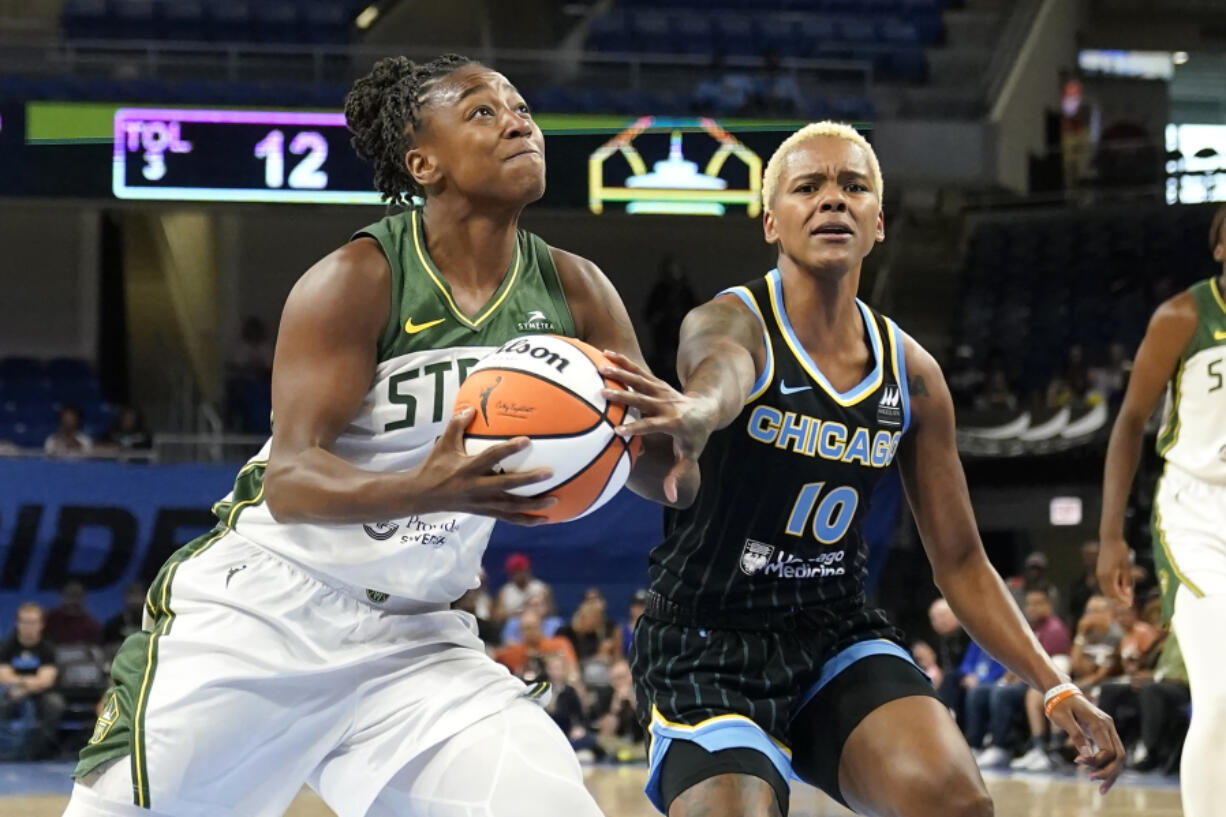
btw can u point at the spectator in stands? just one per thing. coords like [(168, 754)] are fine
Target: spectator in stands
[(68, 440), (127, 433), (1096, 647), (489, 632), (723, 91), (537, 603), (620, 732), (520, 584), (252, 357), (1139, 643), (1110, 378), (1034, 577), (638, 603), (997, 394), (1086, 584), (566, 707), (591, 632), (951, 646), (668, 302), (1071, 387), (979, 672), (926, 657), (535, 644), (778, 92), (1139, 652), (126, 621), (27, 677), (1163, 700), (71, 623), (965, 377), (1053, 635)]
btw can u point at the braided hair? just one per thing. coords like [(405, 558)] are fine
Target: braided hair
[(382, 110)]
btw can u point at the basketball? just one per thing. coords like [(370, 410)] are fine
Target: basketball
[(547, 388)]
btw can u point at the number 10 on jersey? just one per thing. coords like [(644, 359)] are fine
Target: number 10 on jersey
[(832, 516)]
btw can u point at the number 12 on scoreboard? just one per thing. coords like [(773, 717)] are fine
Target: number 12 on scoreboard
[(306, 175)]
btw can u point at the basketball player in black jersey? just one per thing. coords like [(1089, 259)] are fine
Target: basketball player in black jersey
[(757, 658)]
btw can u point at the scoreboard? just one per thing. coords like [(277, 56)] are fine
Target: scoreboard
[(244, 156)]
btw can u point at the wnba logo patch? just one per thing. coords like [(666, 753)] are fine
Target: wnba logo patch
[(889, 407), (755, 556)]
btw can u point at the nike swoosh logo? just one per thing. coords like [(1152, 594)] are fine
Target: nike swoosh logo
[(414, 328), (1219, 335), (786, 389)]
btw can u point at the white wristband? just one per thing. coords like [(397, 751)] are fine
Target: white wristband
[(1060, 691)]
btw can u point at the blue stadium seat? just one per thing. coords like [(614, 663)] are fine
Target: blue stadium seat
[(653, 33), (610, 33), (87, 19), (898, 32), (230, 20), (325, 23), (779, 35), (277, 21), (68, 368), (134, 19), (693, 34), (183, 20), (856, 30), (735, 35), (21, 368)]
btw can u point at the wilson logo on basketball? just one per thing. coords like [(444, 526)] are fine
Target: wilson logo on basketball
[(544, 354)]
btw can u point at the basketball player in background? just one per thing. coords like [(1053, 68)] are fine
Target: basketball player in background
[(1184, 355), (309, 636), (757, 658)]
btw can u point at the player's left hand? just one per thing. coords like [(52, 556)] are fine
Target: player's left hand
[(1092, 731), (688, 420)]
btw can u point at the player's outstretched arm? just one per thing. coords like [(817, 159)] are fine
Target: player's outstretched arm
[(1170, 329), (322, 370), (673, 424), (936, 490)]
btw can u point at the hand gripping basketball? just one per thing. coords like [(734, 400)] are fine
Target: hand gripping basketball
[(469, 484), (663, 410)]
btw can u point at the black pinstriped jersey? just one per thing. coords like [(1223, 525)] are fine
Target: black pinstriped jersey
[(776, 525)]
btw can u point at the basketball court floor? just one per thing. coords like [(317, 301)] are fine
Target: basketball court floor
[(41, 790)]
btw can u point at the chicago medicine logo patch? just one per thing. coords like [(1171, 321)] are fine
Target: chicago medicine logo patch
[(755, 556)]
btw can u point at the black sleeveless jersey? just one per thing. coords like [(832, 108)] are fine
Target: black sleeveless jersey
[(785, 486)]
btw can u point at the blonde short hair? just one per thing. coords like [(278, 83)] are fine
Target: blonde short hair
[(815, 130)]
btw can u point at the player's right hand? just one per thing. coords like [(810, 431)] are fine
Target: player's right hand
[(1115, 569), (451, 480)]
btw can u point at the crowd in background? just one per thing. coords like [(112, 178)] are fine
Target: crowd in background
[(54, 665), (1120, 656)]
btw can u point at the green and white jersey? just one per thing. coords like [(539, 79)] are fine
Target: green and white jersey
[(426, 350), (1193, 434)]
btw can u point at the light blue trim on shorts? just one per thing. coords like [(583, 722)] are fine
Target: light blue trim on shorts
[(850, 655), (714, 734)]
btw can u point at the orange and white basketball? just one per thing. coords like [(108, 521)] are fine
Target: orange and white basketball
[(547, 388)]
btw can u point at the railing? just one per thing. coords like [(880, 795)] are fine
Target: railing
[(1013, 37), (135, 59), (166, 448)]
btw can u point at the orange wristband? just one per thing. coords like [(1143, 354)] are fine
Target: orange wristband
[(1057, 694)]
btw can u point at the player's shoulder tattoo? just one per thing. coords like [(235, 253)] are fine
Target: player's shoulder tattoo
[(916, 386)]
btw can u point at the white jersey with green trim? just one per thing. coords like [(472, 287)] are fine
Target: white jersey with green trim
[(1193, 433), (426, 351)]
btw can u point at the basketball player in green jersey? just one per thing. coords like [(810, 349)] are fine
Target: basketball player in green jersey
[(757, 657), (1182, 355), (309, 637)]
